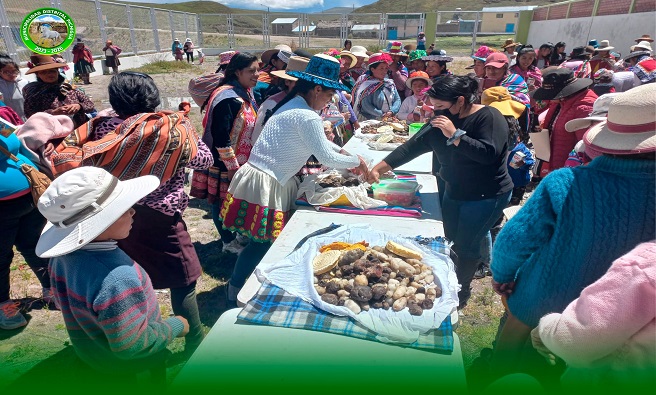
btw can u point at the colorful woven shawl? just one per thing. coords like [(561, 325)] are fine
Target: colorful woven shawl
[(517, 88), (367, 86)]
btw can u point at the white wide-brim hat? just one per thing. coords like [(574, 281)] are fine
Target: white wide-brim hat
[(359, 51), (631, 124), (82, 203), (598, 114)]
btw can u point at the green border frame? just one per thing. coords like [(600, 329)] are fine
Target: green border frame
[(31, 16)]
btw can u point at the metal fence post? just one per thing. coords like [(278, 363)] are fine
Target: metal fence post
[(199, 30), (231, 32), (7, 34), (101, 22), (478, 18), (186, 25), (172, 25), (266, 36), (343, 31), (153, 22), (133, 40), (382, 28)]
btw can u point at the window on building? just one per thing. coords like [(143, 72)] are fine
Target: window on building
[(499, 15), (516, 14)]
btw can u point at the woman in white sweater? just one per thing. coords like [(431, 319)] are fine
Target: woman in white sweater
[(262, 193)]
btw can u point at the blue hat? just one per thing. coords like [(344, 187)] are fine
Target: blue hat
[(594, 43), (322, 70)]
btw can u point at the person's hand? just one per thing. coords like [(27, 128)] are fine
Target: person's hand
[(68, 109), (444, 124), (185, 324), (231, 174), (362, 168), (394, 66), (356, 125), (503, 288), (541, 348), (388, 114)]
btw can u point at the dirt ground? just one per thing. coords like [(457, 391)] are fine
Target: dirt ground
[(42, 349)]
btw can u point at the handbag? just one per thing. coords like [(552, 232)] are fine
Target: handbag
[(38, 181), (541, 144)]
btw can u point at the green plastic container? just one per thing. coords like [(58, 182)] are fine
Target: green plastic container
[(413, 128)]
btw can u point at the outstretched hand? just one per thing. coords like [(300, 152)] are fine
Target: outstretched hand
[(503, 288)]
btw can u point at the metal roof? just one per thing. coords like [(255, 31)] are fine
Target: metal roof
[(305, 29), (365, 27), (509, 9), (283, 21)]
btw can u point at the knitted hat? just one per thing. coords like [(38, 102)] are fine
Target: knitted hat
[(559, 83), (437, 55), (631, 124), (496, 60), (418, 75), (499, 98), (322, 70), (599, 113), (417, 54), (379, 57), (82, 203), (482, 53), (645, 37), (296, 63), (224, 57)]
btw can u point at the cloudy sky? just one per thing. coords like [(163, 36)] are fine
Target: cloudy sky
[(282, 5)]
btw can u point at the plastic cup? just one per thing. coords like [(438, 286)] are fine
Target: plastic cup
[(413, 128)]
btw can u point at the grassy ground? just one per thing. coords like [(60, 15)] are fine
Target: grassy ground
[(42, 349)]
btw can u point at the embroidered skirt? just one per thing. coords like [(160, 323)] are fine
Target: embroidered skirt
[(211, 184), (83, 67), (257, 205)]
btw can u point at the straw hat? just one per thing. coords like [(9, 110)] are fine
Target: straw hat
[(224, 57), (418, 75), (296, 63), (631, 124), (499, 98), (599, 113), (82, 203), (510, 43), (43, 62), (645, 37), (322, 70), (642, 45), (559, 83), (359, 51), (349, 55), (266, 55), (604, 46)]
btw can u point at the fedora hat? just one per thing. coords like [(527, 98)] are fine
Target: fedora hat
[(224, 57), (631, 124), (510, 43), (642, 45), (634, 54), (296, 63), (599, 113), (499, 98), (593, 43), (359, 51), (559, 83), (349, 54), (496, 60), (604, 46), (322, 70), (43, 62), (645, 37), (418, 75), (82, 203), (266, 55)]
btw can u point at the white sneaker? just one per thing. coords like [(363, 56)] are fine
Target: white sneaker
[(10, 316), (234, 247)]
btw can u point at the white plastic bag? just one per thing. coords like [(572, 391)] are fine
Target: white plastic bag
[(316, 195)]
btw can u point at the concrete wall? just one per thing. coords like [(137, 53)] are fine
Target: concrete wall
[(490, 22), (129, 62), (621, 30)]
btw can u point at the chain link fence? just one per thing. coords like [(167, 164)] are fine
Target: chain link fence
[(141, 30)]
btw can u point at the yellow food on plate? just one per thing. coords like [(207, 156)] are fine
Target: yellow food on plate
[(397, 126), (325, 261), (340, 245), (403, 251), (385, 129)]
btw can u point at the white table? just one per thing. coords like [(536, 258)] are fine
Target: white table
[(271, 360), (422, 164)]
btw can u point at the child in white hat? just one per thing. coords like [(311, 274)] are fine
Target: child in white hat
[(109, 305)]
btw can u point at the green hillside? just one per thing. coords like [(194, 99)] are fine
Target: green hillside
[(443, 5)]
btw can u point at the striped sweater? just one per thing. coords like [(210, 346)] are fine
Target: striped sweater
[(110, 309)]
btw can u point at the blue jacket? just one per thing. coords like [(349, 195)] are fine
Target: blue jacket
[(372, 104), (576, 223), (12, 180), (521, 176)]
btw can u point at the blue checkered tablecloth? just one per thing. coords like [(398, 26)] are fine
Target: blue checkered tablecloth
[(273, 306)]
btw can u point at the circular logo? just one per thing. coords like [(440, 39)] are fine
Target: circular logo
[(47, 31)]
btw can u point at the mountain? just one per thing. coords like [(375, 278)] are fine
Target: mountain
[(401, 6), (338, 10), (198, 7)]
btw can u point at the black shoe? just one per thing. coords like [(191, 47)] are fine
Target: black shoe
[(481, 272)]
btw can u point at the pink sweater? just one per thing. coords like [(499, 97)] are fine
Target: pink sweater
[(607, 336)]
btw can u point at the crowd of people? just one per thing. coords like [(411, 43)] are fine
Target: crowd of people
[(587, 231)]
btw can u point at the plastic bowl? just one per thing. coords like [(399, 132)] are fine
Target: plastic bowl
[(396, 192), (413, 128)]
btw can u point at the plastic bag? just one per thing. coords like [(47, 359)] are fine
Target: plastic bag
[(317, 195)]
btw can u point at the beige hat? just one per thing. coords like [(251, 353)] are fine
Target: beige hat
[(296, 63), (604, 46), (351, 56), (631, 124), (82, 203), (641, 46), (266, 55), (359, 51), (599, 113)]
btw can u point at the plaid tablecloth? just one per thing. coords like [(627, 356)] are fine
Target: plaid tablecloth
[(273, 306)]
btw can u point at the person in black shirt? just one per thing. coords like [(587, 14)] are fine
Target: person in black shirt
[(470, 141)]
